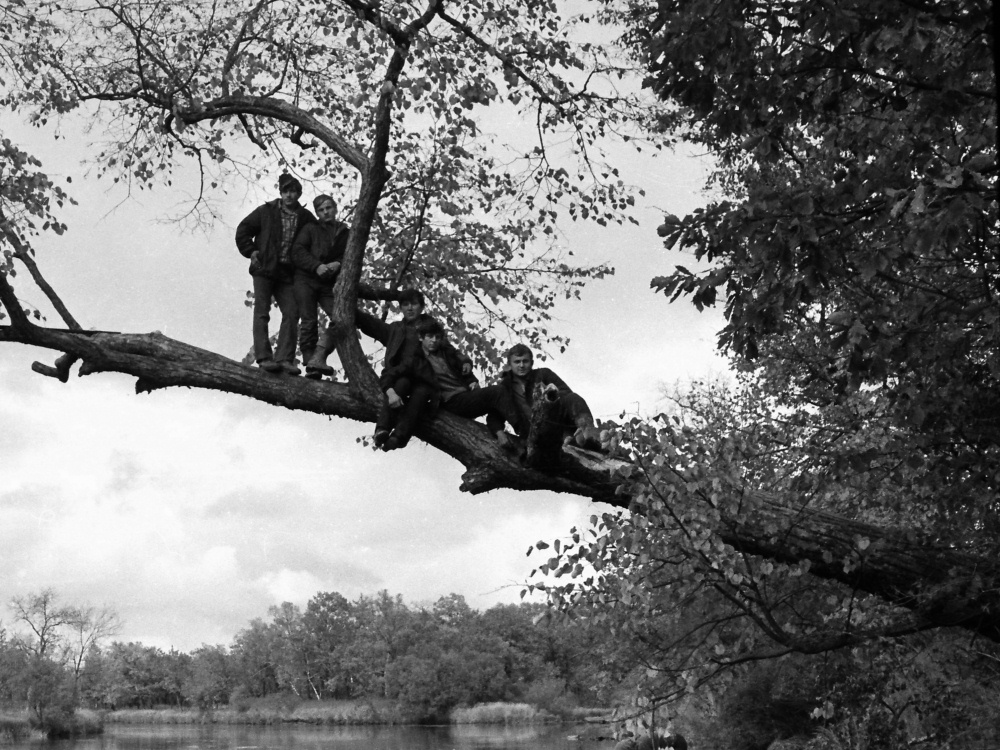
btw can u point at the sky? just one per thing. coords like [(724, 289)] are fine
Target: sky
[(191, 512)]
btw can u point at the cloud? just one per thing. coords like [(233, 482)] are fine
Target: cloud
[(257, 503), (126, 471)]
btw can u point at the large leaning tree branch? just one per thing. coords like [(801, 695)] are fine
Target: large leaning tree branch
[(946, 586)]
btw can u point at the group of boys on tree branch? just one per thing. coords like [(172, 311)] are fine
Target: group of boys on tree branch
[(294, 262)]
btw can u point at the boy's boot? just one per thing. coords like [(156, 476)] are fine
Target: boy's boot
[(587, 436), (316, 366)]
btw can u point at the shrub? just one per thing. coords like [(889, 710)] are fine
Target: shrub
[(499, 713), (14, 729), (81, 723), (550, 694)]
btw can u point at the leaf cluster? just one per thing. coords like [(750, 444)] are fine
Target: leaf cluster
[(665, 576), (854, 239), (345, 93)]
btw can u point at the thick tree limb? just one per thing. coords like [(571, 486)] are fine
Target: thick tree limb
[(161, 362), (948, 587)]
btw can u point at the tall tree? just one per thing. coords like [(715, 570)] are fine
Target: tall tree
[(854, 244), (89, 627), (45, 620), (385, 101)]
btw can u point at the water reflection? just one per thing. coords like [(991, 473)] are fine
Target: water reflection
[(224, 737)]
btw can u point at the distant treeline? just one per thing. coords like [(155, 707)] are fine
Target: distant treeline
[(428, 660)]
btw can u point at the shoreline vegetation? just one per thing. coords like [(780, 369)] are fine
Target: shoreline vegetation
[(342, 712), (16, 726), (20, 726)]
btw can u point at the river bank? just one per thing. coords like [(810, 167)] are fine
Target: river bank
[(17, 726), (341, 713)]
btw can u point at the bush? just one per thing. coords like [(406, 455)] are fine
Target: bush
[(14, 729), (500, 713), (550, 694), (240, 699), (63, 725)]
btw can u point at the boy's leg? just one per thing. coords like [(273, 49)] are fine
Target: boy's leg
[(263, 288), (409, 416), (478, 402), (284, 295), (305, 298), (389, 417), (384, 424), (578, 421), (317, 361)]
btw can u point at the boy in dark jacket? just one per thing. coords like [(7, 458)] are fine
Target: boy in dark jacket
[(518, 384), (446, 373), (317, 253), (405, 399), (456, 389), (265, 237)]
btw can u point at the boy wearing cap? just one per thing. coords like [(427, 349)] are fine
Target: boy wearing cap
[(265, 237), (317, 253)]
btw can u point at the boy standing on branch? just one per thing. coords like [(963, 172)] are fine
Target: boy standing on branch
[(317, 253), (265, 237)]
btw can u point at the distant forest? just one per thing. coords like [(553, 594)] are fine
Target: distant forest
[(428, 659)]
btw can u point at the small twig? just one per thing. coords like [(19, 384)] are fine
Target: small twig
[(297, 139), (250, 134)]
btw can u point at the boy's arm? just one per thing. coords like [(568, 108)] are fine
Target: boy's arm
[(301, 251), (495, 423), (371, 326), (547, 376), (246, 231)]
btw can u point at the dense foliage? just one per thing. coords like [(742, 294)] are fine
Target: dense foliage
[(854, 244), (351, 97)]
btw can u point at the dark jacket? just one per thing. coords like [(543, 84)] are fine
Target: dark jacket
[(317, 244), (400, 340), (403, 353), (420, 369), (260, 232), (537, 375)]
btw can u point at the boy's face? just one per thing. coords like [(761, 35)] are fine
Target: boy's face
[(410, 310), (326, 212), (431, 343), (289, 197), (520, 365)]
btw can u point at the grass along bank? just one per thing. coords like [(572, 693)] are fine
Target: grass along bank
[(268, 711), (327, 712)]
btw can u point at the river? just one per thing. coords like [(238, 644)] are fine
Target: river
[(241, 737)]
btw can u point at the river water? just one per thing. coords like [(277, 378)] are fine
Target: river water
[(228, 737)]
